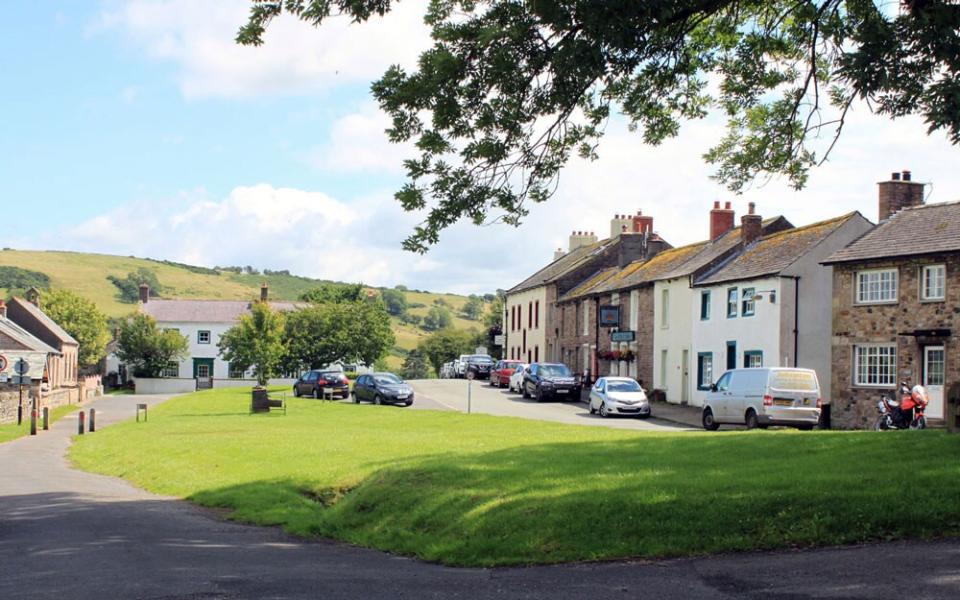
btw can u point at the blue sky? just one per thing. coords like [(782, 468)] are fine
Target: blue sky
[(138, 127)]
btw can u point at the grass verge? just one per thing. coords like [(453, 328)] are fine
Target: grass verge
[(14, 431), (480, 490)]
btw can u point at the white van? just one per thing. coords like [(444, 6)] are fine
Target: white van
[(762, 397)]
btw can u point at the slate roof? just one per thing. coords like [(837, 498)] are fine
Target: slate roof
[(924, 229), (23, 337), (205, 311), (667, 264), (774, 253), (46, 321), (563, 265)]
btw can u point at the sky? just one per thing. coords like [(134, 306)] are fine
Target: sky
[(138, 127)]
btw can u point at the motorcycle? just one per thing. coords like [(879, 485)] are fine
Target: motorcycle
[(905, 414)]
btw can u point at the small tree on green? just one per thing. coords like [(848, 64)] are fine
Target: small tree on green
[(395, 301), (473, 308), (255, 341), (82, 320), (147, 349), (437, 318), (415, 366), (447, 344)]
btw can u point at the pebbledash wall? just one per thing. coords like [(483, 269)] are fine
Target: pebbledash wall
[(853, 324)]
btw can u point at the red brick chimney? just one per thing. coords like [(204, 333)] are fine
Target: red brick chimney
[(751, 225), (264, 292), (144, 293), (721, 220), (898, 193), (642, 224)]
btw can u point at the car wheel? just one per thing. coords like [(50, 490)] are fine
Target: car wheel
[(603, 410), (408, 403), (709, 422), (538, 394), (752, 421), (296, 392), (525, 392), (356, 400), (593, 411), (643, 416), (377, 400), (316, 393), (805, 427)]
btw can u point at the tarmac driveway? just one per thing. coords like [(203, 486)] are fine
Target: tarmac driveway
[(71, 535)]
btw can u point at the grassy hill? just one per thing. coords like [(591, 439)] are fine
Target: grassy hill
[(86, 274)]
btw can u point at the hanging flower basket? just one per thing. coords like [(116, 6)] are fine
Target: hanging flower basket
[(616, 355)]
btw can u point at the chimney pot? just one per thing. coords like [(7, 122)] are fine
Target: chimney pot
[(639, 213), (144, 293), (728, 206), (906, 176), (752, 208), (895, 176), (716, 204)]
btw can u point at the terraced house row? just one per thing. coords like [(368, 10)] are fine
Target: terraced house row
[(864, 305)]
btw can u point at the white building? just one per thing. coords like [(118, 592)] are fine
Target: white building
[(769, 305)]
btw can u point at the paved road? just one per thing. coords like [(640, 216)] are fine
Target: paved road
[(65, 534), (451, 394)]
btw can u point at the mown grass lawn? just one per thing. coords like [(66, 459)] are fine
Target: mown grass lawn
[(13, 431), (481, 490)]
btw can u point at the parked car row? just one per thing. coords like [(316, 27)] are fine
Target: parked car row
[(378, 388), (475, 366)]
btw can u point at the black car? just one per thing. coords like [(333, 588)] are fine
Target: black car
[(312, 383), (382, 388), (478, 366), (550, 380)]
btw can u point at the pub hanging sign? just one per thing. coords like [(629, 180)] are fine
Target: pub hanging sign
[(609, 316)]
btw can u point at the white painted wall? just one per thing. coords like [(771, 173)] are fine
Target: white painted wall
[(673, 335), (536, 333), (198, 350), (760, 332)]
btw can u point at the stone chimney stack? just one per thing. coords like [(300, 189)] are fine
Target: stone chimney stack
[(264, 292), (752, 225), (619, 224), (144, 293), (33, 296), (582, 238), (899, 193), (721, 220), (558, 254)]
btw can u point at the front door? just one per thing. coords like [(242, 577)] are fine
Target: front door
[(202, 368), (934, 360), (685, 385)]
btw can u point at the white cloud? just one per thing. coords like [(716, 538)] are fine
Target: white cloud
[(198, 36), (358, 143)]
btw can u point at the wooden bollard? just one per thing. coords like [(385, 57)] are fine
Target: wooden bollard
[(80, 417), (93, 420), (33, 421), (46, 418)]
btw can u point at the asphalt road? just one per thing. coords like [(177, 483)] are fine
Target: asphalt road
[(68, 534), (451, 394)]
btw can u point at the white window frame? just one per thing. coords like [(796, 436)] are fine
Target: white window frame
[(705, 314), (858, 299), (209, 336), (943, 283), (891, 369), (171, 370)]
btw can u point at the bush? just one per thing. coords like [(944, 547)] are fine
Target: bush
[(17, 280)]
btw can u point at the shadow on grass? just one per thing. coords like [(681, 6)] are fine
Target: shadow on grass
[(652, 496)]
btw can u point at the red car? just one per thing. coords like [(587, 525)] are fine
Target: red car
[(500, 375)]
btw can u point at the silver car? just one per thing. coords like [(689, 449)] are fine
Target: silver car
[(619, 396)]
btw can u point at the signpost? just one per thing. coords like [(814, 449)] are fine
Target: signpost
[(22, 367), (623, 336), (609, 316)]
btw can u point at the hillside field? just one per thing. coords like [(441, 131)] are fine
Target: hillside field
[(86, 274)]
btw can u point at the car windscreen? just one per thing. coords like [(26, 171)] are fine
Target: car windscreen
[(554, 371), (623, 386), (802, 381), (387, 379)]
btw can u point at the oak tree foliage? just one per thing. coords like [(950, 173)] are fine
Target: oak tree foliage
[(146, 348), (512, 89)]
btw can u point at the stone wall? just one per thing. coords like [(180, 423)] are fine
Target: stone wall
[(10, 398), (855, 407)]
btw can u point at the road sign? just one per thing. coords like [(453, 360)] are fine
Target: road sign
[(4, 378), (21, 380), (482, 350), (3, 363), (22, 367), (623, 336), (498, 340)]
